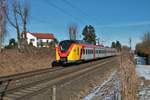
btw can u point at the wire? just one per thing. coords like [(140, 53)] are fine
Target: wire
[(63, 11), (39, 20), (79, 9)]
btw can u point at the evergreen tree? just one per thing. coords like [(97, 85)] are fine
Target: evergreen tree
[(118, 45), (89, 34), (113, 45)]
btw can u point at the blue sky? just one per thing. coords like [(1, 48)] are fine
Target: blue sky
[(113, 19)]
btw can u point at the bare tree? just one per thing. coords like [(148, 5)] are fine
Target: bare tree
[(73, 31), (146, 42), (2, 21), (143, 48), (19, 18)]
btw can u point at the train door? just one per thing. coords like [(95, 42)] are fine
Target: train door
[(94, 53), (84, 54)]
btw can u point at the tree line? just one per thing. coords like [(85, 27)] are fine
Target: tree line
[(89, 36), (143, 48), (2, 22), (116, 45), (16, 14)]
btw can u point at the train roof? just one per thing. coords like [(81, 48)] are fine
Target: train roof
[(84, 43), (80, 42)]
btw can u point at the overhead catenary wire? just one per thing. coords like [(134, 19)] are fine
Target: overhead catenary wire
[(62, 10), (39, 20), (80, 10)]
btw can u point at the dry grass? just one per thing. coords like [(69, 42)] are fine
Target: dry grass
[(128, 78), (13, 62)]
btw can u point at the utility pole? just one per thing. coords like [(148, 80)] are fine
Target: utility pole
[(98, 41), (130, 42)]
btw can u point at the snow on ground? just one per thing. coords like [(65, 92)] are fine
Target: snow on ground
[(143, 71), (144, 86), (108, 90), (140, 60)]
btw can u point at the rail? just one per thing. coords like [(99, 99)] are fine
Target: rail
[(56, 74), (27, 74)]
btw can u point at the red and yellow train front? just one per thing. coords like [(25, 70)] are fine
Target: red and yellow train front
[(68, 51)]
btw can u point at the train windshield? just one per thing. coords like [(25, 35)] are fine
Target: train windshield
[(64, 45)]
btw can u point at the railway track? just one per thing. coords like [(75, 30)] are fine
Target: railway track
[(18, 81), (24, 85)]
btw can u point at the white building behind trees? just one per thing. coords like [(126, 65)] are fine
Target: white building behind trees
[(39, 39)]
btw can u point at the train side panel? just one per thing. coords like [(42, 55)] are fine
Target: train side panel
[(88, 53), (57, 54), (75, 53)]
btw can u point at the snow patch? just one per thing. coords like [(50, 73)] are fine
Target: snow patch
[(140, 60), (99, 89), (143, 71)]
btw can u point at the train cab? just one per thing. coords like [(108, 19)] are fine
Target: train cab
[(68, 51)]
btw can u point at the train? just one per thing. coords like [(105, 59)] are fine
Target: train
[(74, 51)]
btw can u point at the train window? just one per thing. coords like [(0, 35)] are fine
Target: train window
[(83, 51), (64, 45), (86, 51)]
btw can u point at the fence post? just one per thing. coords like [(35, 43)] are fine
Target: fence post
[(54, 92)]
